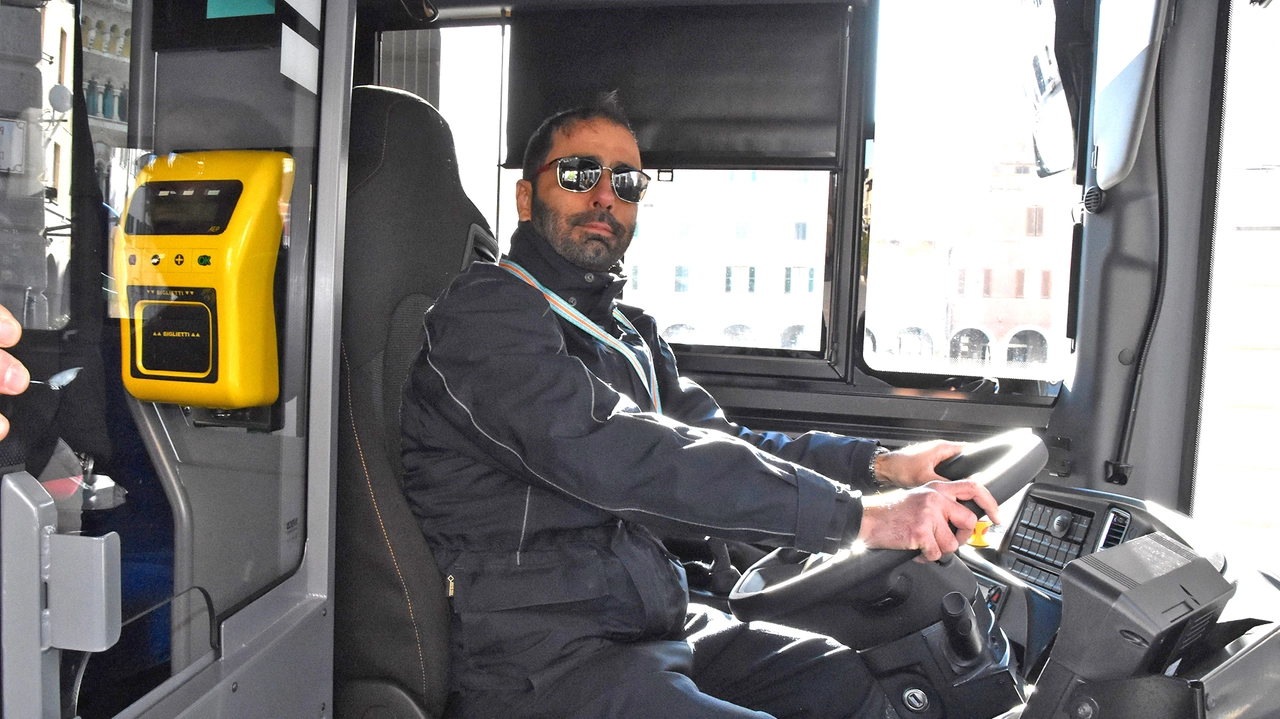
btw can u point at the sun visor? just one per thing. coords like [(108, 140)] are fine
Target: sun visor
[(748, 86)]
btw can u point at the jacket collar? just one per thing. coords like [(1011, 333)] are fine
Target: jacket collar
[(592, 293)]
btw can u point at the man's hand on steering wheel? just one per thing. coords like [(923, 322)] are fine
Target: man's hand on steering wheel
[(928, 518), (912, 466)]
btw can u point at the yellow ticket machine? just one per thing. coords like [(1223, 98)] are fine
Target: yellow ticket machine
[(195, 269)]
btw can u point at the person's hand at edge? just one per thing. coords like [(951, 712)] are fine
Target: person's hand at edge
[(928, 518), (14, 377), (913, 465)]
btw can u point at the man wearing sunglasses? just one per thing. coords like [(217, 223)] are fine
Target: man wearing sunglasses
[(548, 439)]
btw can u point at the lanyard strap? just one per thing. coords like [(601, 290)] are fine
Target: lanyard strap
[(571, 315)]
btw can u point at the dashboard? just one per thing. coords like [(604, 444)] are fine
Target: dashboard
[(1021, 581)]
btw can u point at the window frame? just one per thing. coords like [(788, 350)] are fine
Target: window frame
[(773, 384)]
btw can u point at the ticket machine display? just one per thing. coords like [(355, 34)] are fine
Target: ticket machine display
[(195, 269)]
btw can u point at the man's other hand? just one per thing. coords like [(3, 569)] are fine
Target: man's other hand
[(928, 518), (912, 466), (13, 375)]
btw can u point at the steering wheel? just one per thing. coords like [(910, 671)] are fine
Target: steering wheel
[(787, 579)]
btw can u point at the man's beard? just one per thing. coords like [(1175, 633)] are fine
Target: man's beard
[(594, 252)]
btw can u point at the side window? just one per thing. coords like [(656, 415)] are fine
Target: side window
[(971, 222), (35, 156), (1238, 411), (75, 136)]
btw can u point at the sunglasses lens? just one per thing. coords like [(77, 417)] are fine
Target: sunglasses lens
[(629, 186), (578, 174)]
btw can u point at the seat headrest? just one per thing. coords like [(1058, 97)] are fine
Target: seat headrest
[(409, 222)]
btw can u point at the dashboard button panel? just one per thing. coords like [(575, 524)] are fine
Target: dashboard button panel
[(1047, 537)]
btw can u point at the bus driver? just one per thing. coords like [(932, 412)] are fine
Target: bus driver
[(548, 439)]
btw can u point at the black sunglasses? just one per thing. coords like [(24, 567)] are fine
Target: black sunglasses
[(580, 174)]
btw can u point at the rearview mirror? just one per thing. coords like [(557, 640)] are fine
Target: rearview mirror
[(1128, 49)]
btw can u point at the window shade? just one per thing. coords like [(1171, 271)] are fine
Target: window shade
[(724, 86)]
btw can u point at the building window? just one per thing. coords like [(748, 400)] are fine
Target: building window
[(1046, 284), (986, 282), (797, 275), (1035, 221), (682, 278), (109, 101), (802, 230), (62, 58), (960, 282), (739, 278), (740, 231), (1020, 284), (635, 278), (812, 273)]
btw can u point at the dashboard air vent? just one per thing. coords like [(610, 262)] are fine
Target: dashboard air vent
[(1115, 529)]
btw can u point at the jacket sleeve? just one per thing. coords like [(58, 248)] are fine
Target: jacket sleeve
[(494, 367), (845, 459)]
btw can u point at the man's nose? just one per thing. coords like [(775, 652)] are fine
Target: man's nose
[(602, 194)]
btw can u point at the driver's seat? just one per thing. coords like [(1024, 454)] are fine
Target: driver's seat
[(410, 230)]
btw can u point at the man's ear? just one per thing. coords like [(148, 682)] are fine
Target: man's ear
[(524, 200)]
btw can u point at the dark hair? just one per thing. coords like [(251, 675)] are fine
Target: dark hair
[(605, 107)]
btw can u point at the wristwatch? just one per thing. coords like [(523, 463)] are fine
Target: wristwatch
[(875, 478)]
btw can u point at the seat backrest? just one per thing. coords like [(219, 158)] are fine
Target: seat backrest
[(410, 230)]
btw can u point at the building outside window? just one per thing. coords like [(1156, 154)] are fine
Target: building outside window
[(682, 278), (1035, 221), (739, 278)]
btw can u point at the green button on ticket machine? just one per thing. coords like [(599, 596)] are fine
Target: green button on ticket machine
[(195, 270)]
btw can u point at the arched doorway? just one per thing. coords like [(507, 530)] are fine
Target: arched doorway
[(971, 345), (1027, 347)]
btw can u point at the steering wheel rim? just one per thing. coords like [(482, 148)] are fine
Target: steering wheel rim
[(779, 584)]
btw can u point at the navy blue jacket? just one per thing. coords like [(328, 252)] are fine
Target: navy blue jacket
[(540, 473)]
